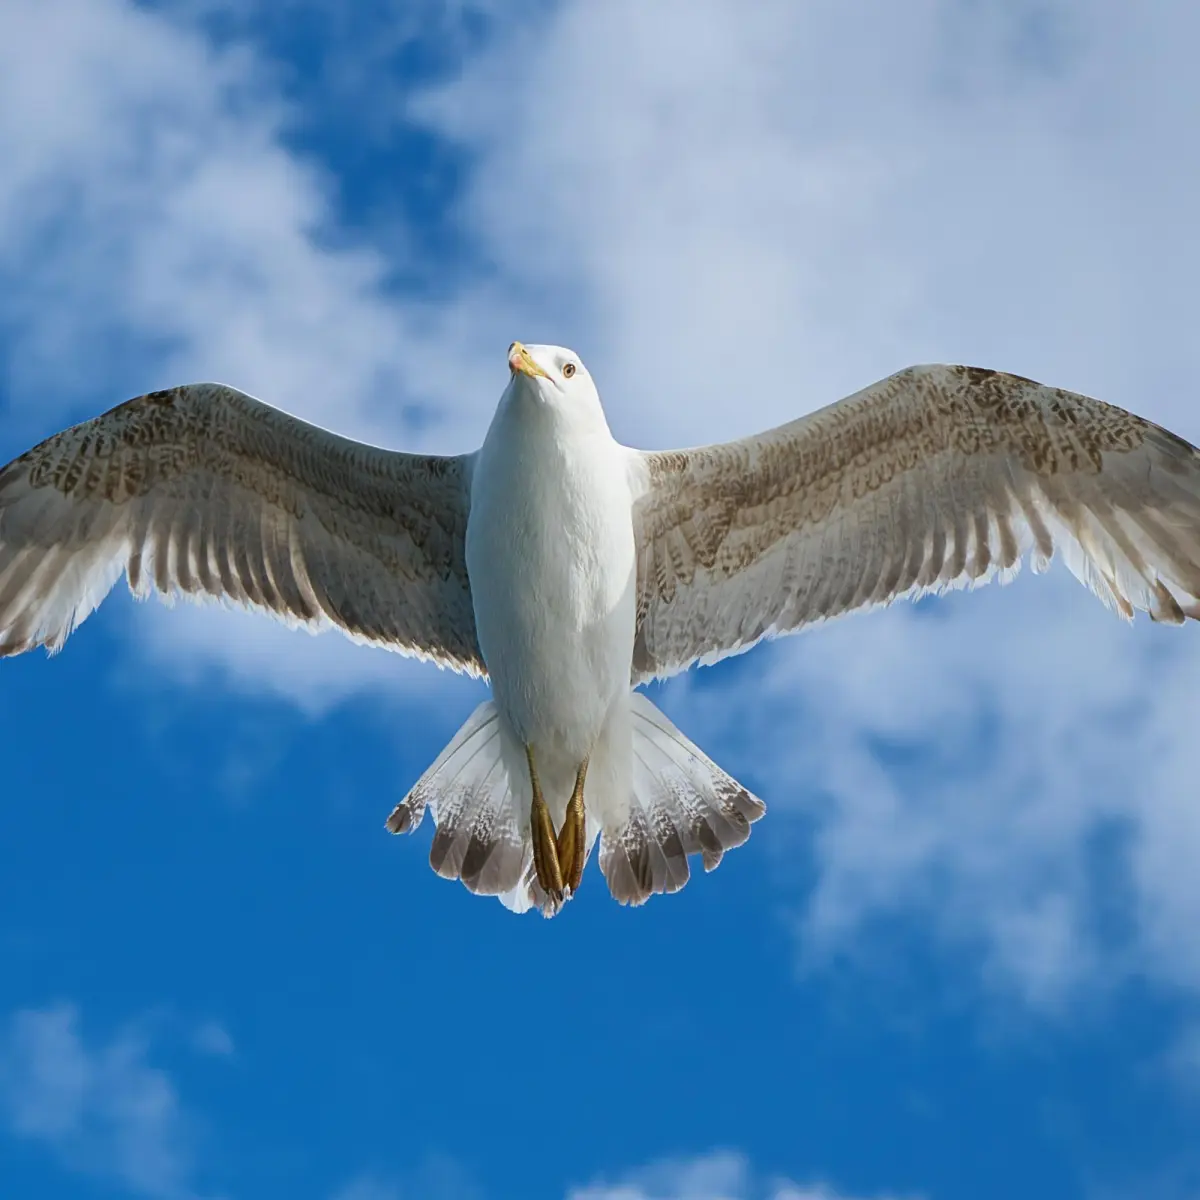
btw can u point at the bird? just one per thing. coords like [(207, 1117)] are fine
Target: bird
[(568, 570)]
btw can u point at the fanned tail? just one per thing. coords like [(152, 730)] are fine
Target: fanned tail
[(680, 803), (652, 796)]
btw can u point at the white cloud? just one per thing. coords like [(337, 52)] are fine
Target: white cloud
[(718, 1176), (836, 190), (102, 1108)]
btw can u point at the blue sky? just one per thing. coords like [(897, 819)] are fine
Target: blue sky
[(956, 960)]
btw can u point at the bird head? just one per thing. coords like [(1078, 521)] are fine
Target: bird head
[(555, 377)]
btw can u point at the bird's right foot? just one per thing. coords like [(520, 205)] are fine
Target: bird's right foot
[(545, 845), (572, 838)]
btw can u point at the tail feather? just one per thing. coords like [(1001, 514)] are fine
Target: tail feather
[(480, 837), (681, 803)]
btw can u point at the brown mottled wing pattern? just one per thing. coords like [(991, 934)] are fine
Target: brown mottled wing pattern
[(936, 477), (205, 491)]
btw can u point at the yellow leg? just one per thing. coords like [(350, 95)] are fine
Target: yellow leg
[(572, 838), (541, 828)]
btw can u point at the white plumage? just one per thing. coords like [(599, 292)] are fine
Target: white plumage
[(569, 568)]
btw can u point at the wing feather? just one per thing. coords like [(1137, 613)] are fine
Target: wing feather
[(206, 492), (937, 477)]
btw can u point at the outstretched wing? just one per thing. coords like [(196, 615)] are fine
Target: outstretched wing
[(205, 491), (934, 478)]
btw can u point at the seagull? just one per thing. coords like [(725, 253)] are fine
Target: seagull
[(569, 569)]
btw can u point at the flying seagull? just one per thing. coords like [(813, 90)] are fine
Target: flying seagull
[(568, 569)]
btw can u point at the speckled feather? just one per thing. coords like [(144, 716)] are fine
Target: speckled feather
[(936, 477), (204, 491)]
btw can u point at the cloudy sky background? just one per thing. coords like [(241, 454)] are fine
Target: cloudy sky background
[(959, 957)]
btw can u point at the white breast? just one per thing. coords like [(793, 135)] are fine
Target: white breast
[(550, 554)]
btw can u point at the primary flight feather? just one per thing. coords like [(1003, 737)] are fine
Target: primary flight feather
[(569, 568)]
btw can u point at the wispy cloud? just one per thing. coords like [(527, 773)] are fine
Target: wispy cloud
[(101, 1107), (718, 1176)]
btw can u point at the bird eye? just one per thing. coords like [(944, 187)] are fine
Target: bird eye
[(568, 370)]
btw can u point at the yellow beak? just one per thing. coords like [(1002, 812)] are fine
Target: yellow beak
[(520, 360)]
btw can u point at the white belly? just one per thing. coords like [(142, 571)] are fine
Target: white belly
[(550, 554)]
